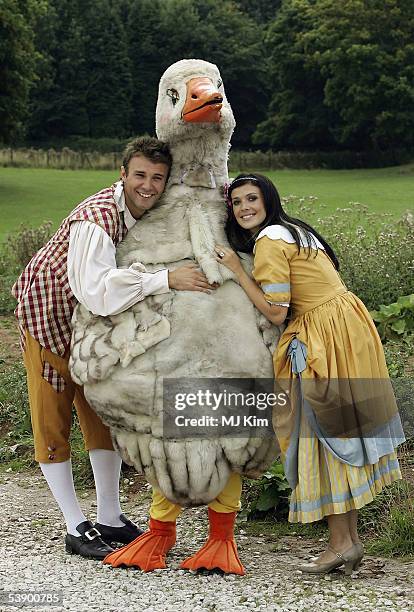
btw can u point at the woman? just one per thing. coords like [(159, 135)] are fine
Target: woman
[(339, 433)]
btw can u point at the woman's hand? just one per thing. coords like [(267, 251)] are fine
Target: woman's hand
[(275, 314), (228, 258)]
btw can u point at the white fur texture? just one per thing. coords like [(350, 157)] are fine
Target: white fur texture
[(122, 360)]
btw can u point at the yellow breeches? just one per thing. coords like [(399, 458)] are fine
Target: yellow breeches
[(227, 501)]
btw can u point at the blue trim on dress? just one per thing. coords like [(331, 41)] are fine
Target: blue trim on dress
[(356, 452), (309, 506), (276, 288)]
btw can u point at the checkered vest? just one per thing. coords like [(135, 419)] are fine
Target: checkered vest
[(45, 299)]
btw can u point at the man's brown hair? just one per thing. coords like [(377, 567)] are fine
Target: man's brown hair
[(153, 149)]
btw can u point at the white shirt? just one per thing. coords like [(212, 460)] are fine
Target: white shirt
[(93, 275)]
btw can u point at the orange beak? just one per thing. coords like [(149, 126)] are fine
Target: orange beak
[(203, 103)]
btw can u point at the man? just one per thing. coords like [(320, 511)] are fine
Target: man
[(78, 265)]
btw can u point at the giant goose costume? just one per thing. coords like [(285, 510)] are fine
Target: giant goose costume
[(121, 360)]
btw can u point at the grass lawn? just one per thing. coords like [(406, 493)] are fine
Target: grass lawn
[(34, 195)]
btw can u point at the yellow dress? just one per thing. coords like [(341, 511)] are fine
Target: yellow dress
[(341, 342)]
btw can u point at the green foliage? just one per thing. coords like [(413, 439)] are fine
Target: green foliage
[(399, 353), (297, 116), (108, 74), (390, 518), (262, 12), (147, 55), (208, 30), (13, 399), (375, 254), (27, 241), (395, 319), (85, 87), (15, 254), (17, 63), (268, 495), (364, 52), (98, 71), (9, 271), (397, 535), (299, 73), (16, 442), (16, 438), (85, 143), (342, 74)]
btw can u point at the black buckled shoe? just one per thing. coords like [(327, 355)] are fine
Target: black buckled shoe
[(89, 544), (120, 535)]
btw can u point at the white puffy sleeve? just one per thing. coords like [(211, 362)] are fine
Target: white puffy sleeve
[(96, 281)]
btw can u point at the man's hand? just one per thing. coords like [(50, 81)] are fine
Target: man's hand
[(189, 278)]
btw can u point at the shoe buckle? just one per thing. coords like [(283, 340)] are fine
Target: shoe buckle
[(93, 533)]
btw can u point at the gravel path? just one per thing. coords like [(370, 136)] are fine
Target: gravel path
[(32, 557)]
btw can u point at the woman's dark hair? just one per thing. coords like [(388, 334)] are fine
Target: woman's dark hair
[(242, 240)]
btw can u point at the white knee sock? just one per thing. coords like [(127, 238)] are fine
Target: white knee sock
[(60, 480), (106, 465)]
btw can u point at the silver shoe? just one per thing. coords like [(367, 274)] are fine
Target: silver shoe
[(350, 559)]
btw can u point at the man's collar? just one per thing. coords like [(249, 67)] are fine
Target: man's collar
[(119, 198)]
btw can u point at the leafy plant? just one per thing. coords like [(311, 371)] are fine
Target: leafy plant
[(397, 535), (15, 254), (24, 243), (269, 494), (399, 354), (374, 252), (396, 319)]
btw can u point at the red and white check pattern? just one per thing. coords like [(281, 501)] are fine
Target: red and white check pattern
[(53, 377), (45, 299)]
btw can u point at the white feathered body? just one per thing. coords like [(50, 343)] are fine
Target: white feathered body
[(122, 360)]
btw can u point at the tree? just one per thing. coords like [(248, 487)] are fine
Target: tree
[(262, 12), (17, 64), (297, 116), (343, 75), (148, 51), (217, 31), (214, 30), (85, 84), (58, 102), (41, 103), (365, 54), (108, 74)]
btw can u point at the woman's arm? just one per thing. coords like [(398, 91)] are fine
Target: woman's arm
[(274, 313)]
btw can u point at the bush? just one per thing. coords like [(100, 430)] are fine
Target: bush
[(16, 442), (397, 319), (15, 254), (27, 241), (9, 271), (375, 254), (16, 438), (390, 517), (398, 354), (275, 160), (83, 143), (267, 496)]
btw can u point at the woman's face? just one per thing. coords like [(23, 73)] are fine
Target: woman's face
[(248, 206)]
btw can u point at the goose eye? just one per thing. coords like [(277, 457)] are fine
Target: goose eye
[(174, 95), (219, 84)]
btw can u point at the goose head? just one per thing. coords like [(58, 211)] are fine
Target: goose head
[(192, 101)]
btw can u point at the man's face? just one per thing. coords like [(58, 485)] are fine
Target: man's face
[(143, 184)]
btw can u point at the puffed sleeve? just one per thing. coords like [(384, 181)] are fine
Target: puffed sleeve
[(272, 270), (96, 281)]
